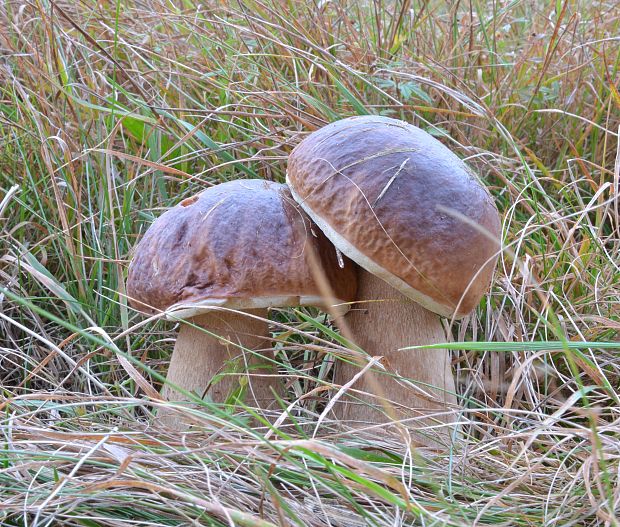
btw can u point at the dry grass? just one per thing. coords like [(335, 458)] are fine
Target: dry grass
[(113, 111)]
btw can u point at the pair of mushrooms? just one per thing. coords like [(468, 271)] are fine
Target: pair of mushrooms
[(394, 200)]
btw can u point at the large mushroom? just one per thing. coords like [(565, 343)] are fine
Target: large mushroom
[(425, 233), (220, 260)]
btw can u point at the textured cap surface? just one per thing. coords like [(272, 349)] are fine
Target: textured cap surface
[(242, 244), (403, 206)]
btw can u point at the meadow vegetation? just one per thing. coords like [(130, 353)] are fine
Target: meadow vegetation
[(112, 111)]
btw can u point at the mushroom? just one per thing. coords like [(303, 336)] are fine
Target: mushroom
[(220, 259), (425, 233)]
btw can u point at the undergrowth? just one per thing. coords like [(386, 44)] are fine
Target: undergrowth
[(112, 111)]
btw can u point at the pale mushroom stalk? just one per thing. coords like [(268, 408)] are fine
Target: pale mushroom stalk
[(213, 357), (383, 321)]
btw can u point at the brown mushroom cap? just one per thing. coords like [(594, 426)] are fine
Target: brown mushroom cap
[(401, 205), (243, 244)]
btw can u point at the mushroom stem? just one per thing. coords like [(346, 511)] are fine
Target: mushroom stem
[(198, 357), (382, 321)]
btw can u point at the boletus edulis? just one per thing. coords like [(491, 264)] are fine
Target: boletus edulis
[(426, 235), (220, 259)]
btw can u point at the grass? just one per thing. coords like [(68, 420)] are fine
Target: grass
[(110, 112)]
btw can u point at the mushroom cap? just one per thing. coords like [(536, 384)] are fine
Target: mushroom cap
[(243, 244), (401, 205)]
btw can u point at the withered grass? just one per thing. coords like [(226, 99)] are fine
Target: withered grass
[(112, 111)]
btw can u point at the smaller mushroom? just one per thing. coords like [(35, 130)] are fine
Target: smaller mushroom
[(220, 260)]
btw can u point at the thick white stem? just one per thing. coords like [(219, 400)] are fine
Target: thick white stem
[(199, 357), (380, 323)]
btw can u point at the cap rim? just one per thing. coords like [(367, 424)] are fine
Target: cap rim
[(185, 310)]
